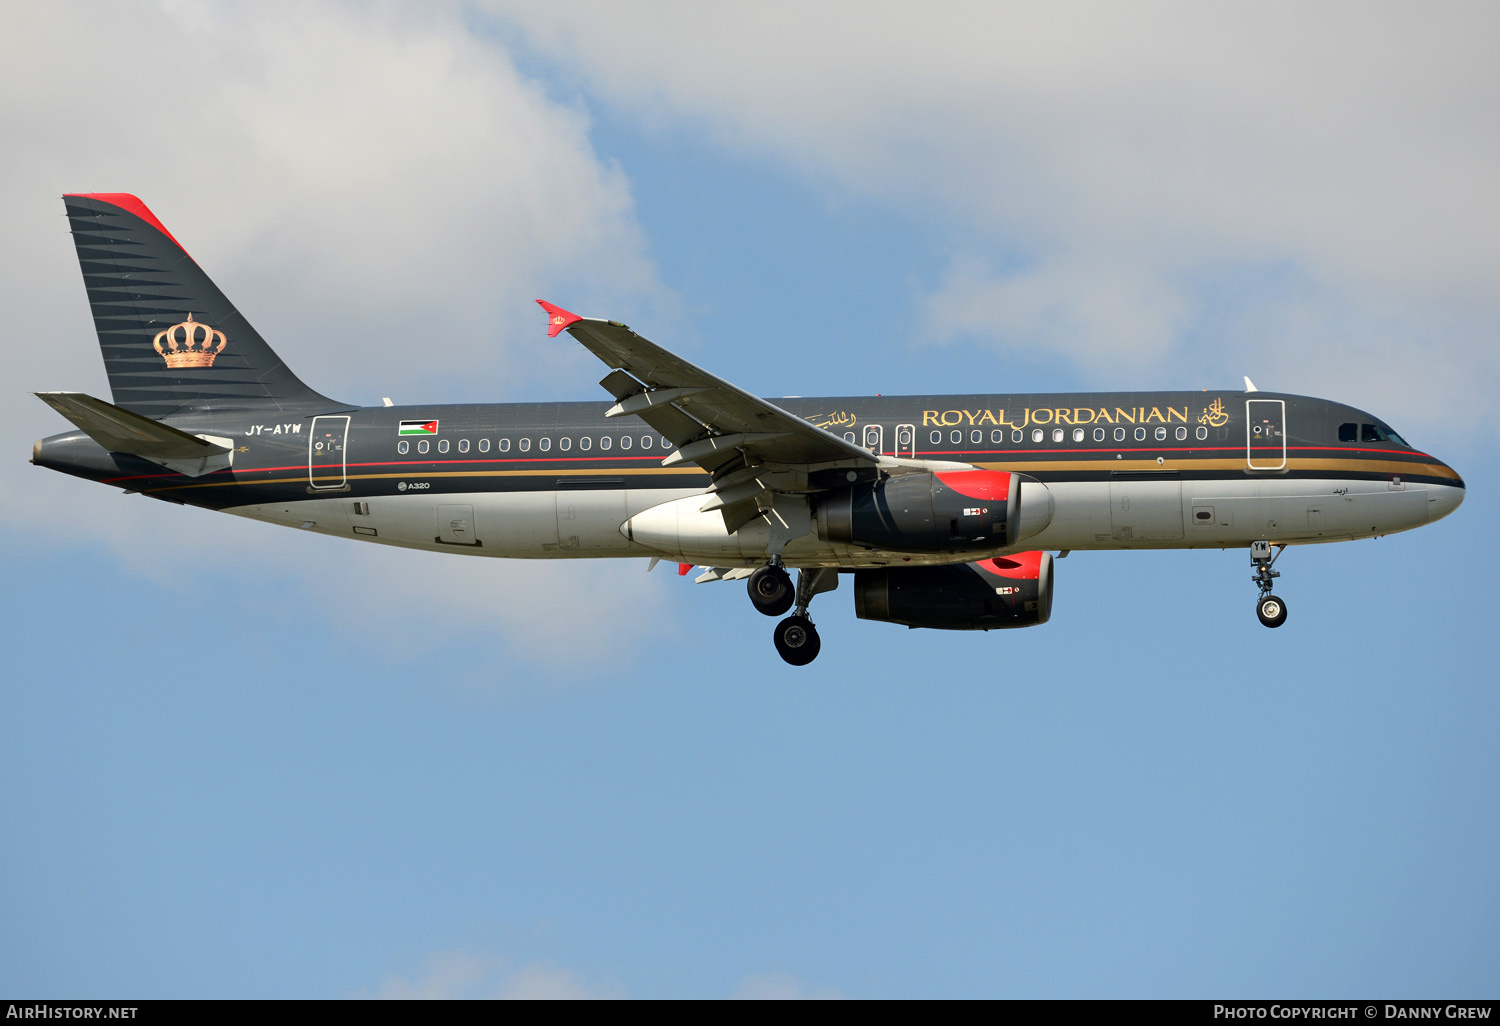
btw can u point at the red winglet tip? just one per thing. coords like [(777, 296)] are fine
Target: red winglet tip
[(557, 317), (131, 204), (683, 568)]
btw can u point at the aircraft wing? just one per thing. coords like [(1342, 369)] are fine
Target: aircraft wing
[(708, 419), (748, 445)]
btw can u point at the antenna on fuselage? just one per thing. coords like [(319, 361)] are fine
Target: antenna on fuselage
[(1250, 385)]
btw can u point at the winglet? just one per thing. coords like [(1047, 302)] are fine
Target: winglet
[(557, 317)]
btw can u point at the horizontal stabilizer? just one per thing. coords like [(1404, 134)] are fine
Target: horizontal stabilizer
[(119, 430)]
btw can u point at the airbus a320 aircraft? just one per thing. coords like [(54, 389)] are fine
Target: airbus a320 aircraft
[(939, 509)]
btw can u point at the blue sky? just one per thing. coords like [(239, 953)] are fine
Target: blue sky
[(242, 761)]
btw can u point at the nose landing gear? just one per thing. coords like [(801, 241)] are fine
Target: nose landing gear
[(1270, 609)]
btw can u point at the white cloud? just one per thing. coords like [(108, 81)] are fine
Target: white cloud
[(1114, 314), (460, 975), (382, 194), (781, 987), (468, 975), (1137, 164)]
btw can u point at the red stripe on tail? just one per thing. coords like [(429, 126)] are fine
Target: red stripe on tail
[(131, 205)]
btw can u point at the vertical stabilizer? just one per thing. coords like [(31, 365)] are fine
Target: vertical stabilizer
[(171, 341)]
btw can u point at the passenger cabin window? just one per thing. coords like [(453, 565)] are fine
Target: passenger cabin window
[(403, 447), (1078, 434), (503, 445), (544, 444), (1119, 434), (997, 436), (646, 441), (1018, 435), (1161, 434), (443, 445), (1098, 434), (585, 442), (1182, 434), (1038, 435), (937, 437), (422, 445), (484, 445), (524, 445), (565, 444), (605, 441), (463, 445), (976, 437), (1202, 433), (624, 441), (957, 437)]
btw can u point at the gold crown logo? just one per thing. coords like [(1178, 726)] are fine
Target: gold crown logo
[(189, 344)]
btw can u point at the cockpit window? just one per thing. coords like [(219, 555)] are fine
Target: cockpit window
[(1377, 433), (1348, 432)]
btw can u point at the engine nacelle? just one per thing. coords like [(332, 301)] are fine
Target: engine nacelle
[(946, 511), (1009, 591)]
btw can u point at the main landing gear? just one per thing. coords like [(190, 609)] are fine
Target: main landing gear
[(772, 593), (771, 590), (1270, 609)]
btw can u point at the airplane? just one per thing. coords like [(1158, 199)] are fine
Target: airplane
[(942, 510)]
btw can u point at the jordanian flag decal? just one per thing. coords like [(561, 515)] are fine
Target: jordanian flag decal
[(419, 427)]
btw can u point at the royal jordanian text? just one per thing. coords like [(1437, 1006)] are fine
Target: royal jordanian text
[(1056, 415)]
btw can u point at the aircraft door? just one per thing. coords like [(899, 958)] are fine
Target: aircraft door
[(1265, 434), (325, 452), (906, 441), (874, 437)]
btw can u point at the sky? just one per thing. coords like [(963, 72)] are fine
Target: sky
[(242, 761)]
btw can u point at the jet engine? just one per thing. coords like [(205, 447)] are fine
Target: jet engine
[(946, 511), (1009, 591)]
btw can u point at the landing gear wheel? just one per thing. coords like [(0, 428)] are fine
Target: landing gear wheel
[(797, 640), (1271, 610), (771, 590)]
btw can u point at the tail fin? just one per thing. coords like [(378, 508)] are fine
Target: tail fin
[(170, 339)]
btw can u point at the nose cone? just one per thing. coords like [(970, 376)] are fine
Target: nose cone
[(1443, 499)]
